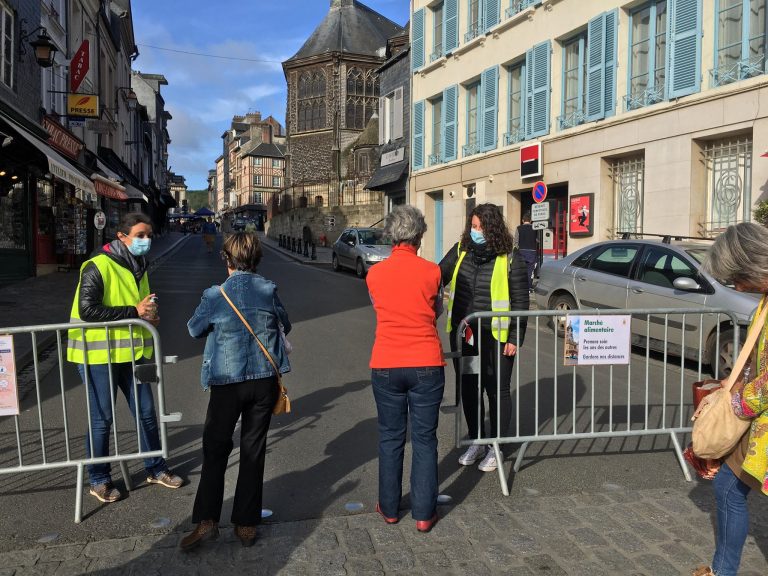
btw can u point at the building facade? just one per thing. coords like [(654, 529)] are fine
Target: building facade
[(333, 88), (648, 114)]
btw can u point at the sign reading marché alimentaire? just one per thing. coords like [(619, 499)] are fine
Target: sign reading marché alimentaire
[(593, 340)]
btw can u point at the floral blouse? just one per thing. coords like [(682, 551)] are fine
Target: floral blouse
[(752, 402)]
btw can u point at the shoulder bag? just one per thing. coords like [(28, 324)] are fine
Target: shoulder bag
[(716, 428), (283, 404)]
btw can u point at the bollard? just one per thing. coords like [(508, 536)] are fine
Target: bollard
[(314, 252), (298, 246), (293, 244), (306, 249), (280, 241)]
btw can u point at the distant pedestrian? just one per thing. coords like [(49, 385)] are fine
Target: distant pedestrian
[(407, 367), (527, 242), (242, 384), (209, 234), (485, 276), (740, 256), (114, 286)]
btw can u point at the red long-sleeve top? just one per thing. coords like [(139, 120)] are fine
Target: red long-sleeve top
[(405, 291)]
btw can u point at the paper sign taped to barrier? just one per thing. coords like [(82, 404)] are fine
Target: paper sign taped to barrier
[(593, 340), (9, 397)]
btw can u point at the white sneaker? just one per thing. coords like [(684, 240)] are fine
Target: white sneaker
[(488, 463), (474, 452)]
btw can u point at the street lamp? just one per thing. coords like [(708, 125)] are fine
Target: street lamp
[(130, 97), (44, 47)]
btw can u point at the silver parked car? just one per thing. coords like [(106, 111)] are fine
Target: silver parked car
[(360, 248), (649, 274)]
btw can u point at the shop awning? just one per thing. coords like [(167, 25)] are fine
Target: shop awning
[(385, 175), (134, 194), (129, 191), (108, 188), (57, 164)]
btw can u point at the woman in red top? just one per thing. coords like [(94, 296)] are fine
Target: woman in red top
[(407, 367)]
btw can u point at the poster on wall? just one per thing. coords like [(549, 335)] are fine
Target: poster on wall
[(580, 217), (9, 397)]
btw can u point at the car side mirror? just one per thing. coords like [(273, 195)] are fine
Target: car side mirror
[(351, 242), (687, 284)]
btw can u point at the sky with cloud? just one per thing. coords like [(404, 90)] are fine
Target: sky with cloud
[(204, 92)]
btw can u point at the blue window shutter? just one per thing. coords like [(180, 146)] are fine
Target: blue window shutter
[(611, 49), (417, 43), (450, 25), (537, 70), (489, 88), (685, 48), (491, 14), (596, 68), (449, 125), (418, 135)]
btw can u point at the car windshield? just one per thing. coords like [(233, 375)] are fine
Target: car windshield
[(374, 238)]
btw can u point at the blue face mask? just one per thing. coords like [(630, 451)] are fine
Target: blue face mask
[(476, 235), (140, 246)]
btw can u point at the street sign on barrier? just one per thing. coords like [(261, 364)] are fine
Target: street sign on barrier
[(540, 211)]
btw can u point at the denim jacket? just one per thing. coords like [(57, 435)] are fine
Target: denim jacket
[(231, 354)]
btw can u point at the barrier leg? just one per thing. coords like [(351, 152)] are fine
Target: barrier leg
[(680, 457), (126, 476), (79, 495), (500, 469), (520, 456)]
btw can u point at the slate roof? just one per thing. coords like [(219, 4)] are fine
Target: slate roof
[(350, 27), (267, 151)]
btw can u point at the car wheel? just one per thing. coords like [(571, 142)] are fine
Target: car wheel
[(335, 262), (360, 268), (721, 355), (562, 303)]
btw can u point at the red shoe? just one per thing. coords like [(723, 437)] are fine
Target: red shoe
[(426, 525), (387, 519)]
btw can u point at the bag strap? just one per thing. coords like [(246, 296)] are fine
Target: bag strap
[(263, 349), (746, 350)]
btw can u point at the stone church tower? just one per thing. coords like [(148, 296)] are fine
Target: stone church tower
[(333, 89)]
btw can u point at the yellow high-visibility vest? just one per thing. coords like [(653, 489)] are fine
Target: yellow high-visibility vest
[(499, 295), (120, 289)]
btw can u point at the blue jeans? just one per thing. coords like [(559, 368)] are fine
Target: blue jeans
[(101, 417), (732, 521), (399, 391)]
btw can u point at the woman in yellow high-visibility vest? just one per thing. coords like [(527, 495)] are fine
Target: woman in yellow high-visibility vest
[(114, 286), (484, 275)]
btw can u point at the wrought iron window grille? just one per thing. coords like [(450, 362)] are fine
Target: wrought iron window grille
[(575, 118)]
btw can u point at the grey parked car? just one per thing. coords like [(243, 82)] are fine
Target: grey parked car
[(359, 249), (649, 274)]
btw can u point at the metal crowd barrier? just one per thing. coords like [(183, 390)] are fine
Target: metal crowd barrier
[(554, 402), (35, 455)]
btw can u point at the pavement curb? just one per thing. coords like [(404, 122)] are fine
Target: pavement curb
[(269, 243)]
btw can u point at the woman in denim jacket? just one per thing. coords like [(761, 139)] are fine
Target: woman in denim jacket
[(242, 383)]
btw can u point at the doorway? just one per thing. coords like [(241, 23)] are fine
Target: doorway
[(554, 238)]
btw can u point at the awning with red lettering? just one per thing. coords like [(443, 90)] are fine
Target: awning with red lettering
[(108, 188)]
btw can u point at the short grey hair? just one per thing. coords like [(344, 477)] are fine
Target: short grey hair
[(740, 253), (405, 224)]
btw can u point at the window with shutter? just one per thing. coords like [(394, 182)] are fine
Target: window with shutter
[(474, 24), (397, 125), (437, 32), (473, 120), (435, 156), (740, 40), (516, 107), (383, 119), (449, 124), (685, 48), (417, 152), (450, 26), (574, 82), (648, 55), (489, 86), (596, 43), (417, 39), (537, 67)]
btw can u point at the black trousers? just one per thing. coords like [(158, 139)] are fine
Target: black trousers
[(253, 400), (497, 396)]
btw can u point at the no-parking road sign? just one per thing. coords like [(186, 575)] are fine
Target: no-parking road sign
[(539, 192)]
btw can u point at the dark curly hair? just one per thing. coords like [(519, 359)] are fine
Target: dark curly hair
[(495, 229)]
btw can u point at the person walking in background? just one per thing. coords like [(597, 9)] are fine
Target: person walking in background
[(527, 242), (484, 276), (114, 286), (209, 234), (407, 367), (243, 385), (740, 256)]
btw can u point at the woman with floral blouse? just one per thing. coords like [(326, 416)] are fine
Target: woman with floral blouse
[(740, 256)]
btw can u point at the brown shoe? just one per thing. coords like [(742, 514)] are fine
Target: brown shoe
[(703, 571), (106, 492), (167, 479), (205, 530), (246, 534)]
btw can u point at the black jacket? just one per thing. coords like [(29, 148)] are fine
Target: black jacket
[(91, 302), (473, 286)]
